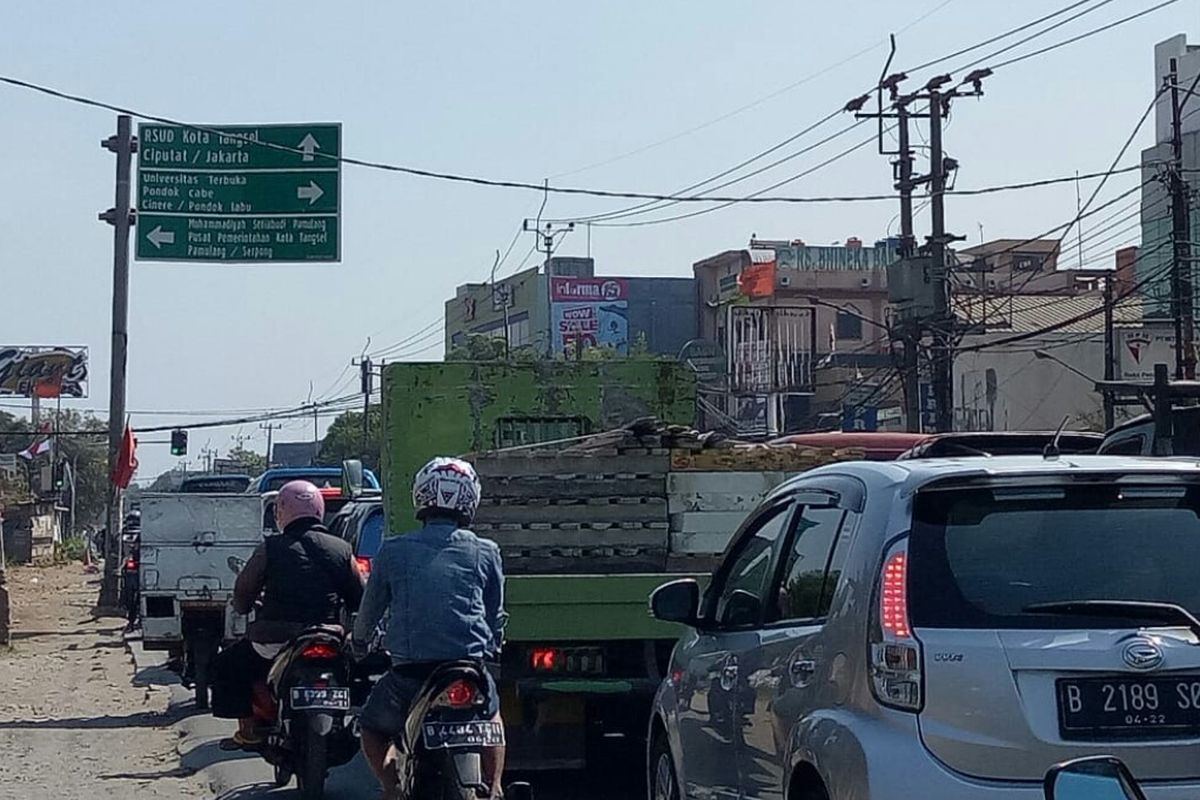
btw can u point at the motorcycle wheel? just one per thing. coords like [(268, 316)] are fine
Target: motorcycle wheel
[(311, 775)]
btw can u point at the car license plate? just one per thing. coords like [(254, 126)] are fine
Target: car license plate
[(1129, 707), (311, 698), (441, 735)]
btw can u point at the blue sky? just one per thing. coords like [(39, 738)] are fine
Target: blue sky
[(508, 90)]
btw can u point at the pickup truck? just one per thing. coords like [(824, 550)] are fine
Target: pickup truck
[(192, 546)]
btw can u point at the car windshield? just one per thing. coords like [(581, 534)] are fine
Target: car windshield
[(330, 481), (980, 558), (234, 484), (370, 537)]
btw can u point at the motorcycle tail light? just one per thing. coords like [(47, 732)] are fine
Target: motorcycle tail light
[(131, 564), (364, 565), (459, 694), (319, 650)]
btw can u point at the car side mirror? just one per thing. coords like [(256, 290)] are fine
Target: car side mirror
[(352, 478), (677, 601), (1092, 778)]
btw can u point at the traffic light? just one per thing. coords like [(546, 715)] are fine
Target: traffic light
[(60, 476), (179, 442)]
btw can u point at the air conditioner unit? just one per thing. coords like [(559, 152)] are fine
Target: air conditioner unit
[(784, 280)]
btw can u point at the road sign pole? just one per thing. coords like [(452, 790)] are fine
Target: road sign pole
[(124, 145)]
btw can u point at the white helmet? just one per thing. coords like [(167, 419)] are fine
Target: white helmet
[(449, 485)]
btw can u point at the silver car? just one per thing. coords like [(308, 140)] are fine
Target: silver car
[(941, 629)]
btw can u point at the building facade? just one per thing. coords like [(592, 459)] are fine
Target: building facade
[(553, 312)]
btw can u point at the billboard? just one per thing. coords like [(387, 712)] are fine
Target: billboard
[(43, 371), (1139, 349), (589, 312)]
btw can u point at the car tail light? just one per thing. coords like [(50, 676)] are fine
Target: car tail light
[(319, 650), (545, 659), (895, 651), (459, 694), (364, 565)]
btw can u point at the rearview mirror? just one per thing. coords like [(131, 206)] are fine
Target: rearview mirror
[(677, 601), (1092, 778), (352, 478)]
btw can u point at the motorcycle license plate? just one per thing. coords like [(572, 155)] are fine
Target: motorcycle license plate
[(443, 735), (311, 698)]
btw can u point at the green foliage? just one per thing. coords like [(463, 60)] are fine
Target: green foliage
[(252, 463), (88, 453), (71, 549), (344, 439), (479, 347)]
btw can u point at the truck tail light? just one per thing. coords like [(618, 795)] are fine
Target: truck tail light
[(895, 652)]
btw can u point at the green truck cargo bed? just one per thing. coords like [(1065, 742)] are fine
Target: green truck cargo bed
[(584, 607)]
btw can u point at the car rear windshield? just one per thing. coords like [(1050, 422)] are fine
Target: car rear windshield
[(980, 557)]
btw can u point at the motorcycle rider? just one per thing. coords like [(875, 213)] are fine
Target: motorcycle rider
[(301, 575), (444, 587)]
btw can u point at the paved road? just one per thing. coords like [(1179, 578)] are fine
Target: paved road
[(240, 776)]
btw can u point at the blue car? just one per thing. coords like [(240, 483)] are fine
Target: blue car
[(327, 478)]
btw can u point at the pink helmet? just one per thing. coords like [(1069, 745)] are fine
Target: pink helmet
[(298, 500)]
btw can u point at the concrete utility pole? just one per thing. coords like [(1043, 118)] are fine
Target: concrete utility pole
[(1110, 354), (368, 386), (943, 316), (1182, 286), (124, 145), (270, 428), (545, 243)]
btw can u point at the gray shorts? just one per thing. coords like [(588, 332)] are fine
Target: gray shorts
[(386, 711)]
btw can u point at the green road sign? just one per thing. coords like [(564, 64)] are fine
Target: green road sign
[(239, 193)]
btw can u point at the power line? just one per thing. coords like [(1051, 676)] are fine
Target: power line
[(754, 103), (1033, 36), (1086, 35)]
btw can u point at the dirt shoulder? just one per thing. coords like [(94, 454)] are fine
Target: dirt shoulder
[(73, 724)]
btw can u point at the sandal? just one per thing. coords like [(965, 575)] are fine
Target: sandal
[(240, 742)]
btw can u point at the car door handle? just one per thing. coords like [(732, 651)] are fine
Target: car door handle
[(803, 668)]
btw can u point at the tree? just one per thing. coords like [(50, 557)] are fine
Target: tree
[(251, 462), (478, 347), (344, 440), (88, 454)]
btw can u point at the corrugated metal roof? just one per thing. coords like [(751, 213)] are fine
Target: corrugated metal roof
[(1028, 313)]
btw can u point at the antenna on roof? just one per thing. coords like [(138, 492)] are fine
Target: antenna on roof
[(1051, 450)]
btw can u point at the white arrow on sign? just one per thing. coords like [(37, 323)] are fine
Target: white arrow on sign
[(312, 193), (307, 145), (158, 237)]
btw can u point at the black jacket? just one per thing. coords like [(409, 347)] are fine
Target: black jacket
[(303, 576)]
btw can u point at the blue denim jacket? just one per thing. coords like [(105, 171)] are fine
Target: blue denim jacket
[(444, 587)]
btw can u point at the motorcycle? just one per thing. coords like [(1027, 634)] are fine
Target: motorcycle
[(305, 708), (448, 727), (1092, 778)]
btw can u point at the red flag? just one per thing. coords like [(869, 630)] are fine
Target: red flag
[(127, 463)]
